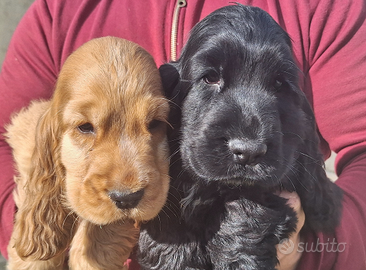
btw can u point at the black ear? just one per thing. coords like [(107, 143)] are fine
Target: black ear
[(175, 90), (171, 84), (170, 79), (321, 199)]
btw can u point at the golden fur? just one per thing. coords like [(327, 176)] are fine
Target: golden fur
[(65, 173)]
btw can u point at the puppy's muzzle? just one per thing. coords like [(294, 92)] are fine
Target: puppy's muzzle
[(125, 200), (247, 152)]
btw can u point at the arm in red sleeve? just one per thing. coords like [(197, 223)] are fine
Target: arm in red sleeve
[(27, 73), (337, 76)]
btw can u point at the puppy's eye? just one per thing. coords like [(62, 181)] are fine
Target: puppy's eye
[(86, 128), (212, 78), (155, 124), (278, 83)]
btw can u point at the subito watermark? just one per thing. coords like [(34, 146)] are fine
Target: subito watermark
[(287, 246)]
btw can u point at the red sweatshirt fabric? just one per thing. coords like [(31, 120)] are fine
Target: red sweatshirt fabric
[(329, 43)]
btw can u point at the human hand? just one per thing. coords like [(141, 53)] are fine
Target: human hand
[(287, 251)]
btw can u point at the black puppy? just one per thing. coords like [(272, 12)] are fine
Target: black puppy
[(247, 131)]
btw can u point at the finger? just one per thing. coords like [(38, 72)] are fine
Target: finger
[(287, 252), (294, 201)]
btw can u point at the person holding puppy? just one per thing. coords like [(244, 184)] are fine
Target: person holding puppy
[(329, 44)]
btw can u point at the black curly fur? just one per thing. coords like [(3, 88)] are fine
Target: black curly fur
[(236, 79)]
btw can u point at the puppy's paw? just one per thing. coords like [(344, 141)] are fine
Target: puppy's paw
[(248, 235)]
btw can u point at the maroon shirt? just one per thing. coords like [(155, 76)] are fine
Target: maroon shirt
[(329, 43)]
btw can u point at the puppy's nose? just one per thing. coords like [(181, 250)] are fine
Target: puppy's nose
[(247, 152), (125, 200)]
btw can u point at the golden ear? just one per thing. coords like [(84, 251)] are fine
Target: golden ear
[(43, 224)]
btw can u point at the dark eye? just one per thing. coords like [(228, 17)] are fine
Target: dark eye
[(155, 124), (86, 128), (212, 78), (278, 83)]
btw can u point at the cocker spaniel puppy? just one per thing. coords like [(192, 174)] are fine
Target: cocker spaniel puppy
[(247, 132), (92, 161)]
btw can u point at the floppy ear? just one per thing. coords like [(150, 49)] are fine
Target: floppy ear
[(321, 199), (43, 224), (170, 78), (172, 86)]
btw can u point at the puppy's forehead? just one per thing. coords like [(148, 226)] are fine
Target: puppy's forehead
[(118, 93), (109, 78), (104, 67), (116, 83), (235, 34)]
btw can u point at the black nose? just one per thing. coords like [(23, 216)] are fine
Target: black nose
[(125, 200), (247, 152)]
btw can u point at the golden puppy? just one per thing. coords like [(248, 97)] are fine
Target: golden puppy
[(92, 162)]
